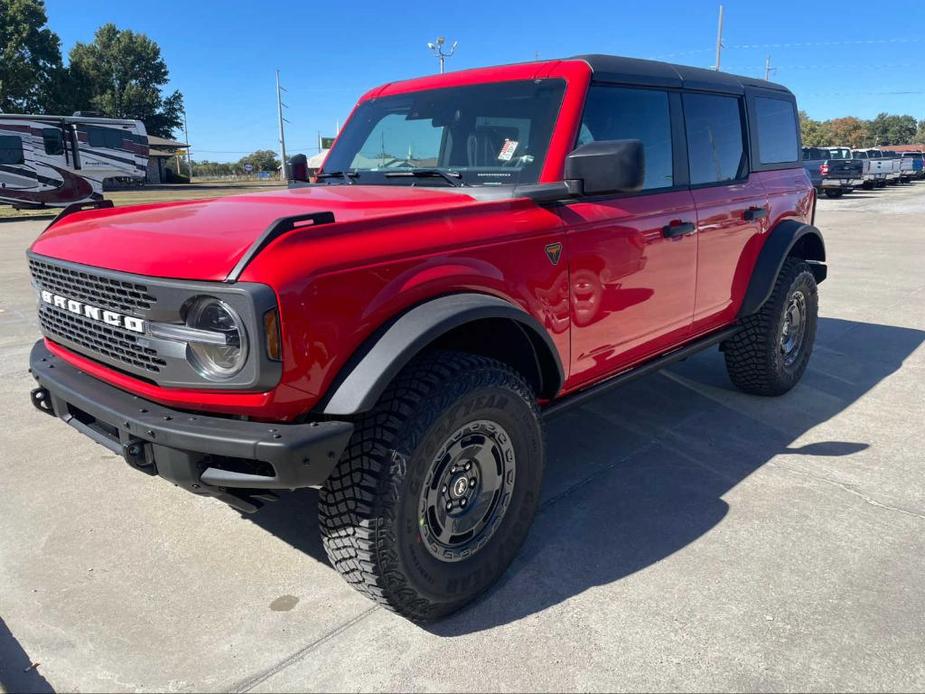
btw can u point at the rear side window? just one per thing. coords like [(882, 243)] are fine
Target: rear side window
[(105, 137), (777, 130), (54, 142), (715, 146), (11, 150), (616, 113)]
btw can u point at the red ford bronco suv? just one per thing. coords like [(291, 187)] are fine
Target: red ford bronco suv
[(480, 249)]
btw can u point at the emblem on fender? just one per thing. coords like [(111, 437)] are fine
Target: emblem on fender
[(117, 320), (554, 252)]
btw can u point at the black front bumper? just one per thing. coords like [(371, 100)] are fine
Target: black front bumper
[(222, 457)]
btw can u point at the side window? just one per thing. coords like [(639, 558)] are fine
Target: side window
[(617, 113), (54, 141), (97, 137), (11, 150), (777, 130), (105, 137), (715, 146)]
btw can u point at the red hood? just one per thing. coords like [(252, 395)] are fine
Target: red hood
[(203, 239)]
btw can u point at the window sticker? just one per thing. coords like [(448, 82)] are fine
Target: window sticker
[(507, 150)]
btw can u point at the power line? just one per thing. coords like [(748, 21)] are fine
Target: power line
[(823, 43)]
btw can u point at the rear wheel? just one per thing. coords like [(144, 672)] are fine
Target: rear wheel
[(769, 354), (438, 487)]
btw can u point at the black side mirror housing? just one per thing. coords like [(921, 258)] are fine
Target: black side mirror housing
[(298, 168), (607, 166)]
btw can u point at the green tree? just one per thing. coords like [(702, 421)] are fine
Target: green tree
[(848, 131), (121, 74), (888, 129), (920, 133), (812, 131), (262, 160), (30, 57), (211, 169)]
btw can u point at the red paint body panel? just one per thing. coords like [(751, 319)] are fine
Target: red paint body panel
[(632, 288), (620, 293)]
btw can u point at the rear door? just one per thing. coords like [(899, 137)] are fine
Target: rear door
[(632, 258), (730, 204)]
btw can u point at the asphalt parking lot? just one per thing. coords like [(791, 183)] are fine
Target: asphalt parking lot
[(691, 537)]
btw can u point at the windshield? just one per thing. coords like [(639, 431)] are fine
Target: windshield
[(839, 153), (486, 134)]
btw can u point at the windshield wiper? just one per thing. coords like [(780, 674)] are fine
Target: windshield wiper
[(451, 177), (348, 176)]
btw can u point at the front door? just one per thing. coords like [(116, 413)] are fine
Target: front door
[(632, 258)]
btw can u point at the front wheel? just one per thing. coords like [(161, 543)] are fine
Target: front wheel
[(771, 350), (834, 192), (438, 487)]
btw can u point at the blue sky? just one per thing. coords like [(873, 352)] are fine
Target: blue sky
[(840, 58)]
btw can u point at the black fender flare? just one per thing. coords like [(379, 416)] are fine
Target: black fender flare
[(788, 236), (364, 378)]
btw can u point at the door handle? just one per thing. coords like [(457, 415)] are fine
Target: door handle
[(753, 213), (676, 229)]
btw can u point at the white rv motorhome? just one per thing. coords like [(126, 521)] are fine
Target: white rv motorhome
[(59, 160)]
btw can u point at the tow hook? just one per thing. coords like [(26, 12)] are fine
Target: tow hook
[(42, 401), (135, 455)]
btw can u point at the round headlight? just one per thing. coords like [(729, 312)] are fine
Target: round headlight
[(221, 355)]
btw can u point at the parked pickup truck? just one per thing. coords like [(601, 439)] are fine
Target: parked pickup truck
[(832, 171), (482, 249), (891, 164), (918, 163), (875, 168), (910, 164)]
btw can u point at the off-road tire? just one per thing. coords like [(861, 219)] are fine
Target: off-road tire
[(369, 508), (754, 358)]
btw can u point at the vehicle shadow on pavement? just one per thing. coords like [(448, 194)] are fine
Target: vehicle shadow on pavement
[(17, 671), (639, 473)]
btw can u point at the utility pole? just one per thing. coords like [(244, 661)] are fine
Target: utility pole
[(719, 38), (437, 48), (282, 133), (189, 156), (768, 69)]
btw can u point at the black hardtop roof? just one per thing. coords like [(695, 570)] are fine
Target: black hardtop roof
[(612, 68)]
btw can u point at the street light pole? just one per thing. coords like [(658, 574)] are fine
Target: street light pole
[(437, 48), (719, 38)]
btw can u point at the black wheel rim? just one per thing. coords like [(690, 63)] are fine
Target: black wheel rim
[(794, 328), (467, 490)]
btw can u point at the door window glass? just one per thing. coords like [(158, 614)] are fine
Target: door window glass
[(54, 142), (715, 146), (616, 113)]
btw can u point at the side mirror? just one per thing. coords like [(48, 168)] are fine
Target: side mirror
[(298, 168), (607, 166)]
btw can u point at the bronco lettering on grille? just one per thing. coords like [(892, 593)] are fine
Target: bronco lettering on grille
[(118, 320)]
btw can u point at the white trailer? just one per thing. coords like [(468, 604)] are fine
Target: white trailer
[(59, 160)]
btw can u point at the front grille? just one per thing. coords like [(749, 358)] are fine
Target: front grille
[(96, 290), (99, 338)]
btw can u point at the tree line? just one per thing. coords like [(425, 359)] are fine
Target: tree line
[(885, 129), (119, 74), (263, 160)]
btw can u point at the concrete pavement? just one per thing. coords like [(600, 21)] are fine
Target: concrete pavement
[(691, 537)]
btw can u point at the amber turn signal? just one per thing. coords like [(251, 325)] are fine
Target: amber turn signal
[(271, 330)]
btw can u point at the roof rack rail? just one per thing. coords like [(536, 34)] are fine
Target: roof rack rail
[(281, 226), (80, 207)]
